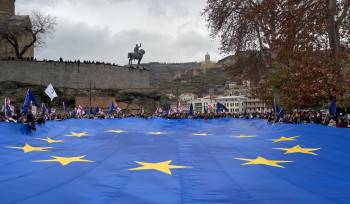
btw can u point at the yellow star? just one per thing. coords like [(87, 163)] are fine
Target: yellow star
[(161, 166), (156, 133), (297, 149), (78, 134), (202, 134), (27, 148), (65, 160), (261, 160), (49, 140), (244, 136), (284, 139), (116, 131)]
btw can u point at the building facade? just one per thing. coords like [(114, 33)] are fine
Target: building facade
[(234, 104), (9, 22)]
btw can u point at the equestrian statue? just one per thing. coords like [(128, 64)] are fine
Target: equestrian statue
[(136, 55)]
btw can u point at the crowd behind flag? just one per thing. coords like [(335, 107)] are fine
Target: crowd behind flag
[(30, 103)]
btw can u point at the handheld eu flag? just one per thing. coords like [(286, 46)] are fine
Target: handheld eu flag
[(191, 109), (111, 108), (333, 108)]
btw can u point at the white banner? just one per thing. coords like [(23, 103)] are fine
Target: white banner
[(50, 92)]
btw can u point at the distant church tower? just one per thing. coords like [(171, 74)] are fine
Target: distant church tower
[(207, 59), (7, 6)]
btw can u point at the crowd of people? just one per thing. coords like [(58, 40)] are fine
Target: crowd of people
[(341, 121), (62, 61)]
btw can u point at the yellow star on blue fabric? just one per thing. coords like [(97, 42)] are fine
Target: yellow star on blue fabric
[(261, 160), (245, 136), (285, 139), (201, 134), (27, 148), (49, 140), (156, 133), (78, 134), (116, 131), (161, 166), (65, 160), (298, 149)]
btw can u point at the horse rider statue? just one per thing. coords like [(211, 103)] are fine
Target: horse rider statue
[(136, 55), (136, 49)]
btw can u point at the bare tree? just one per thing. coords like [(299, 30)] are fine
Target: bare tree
[(35, 30)]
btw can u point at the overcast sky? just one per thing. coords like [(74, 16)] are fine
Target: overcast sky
[(169, 30)]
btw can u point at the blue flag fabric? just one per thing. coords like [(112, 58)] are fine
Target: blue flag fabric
[(224, 107), (91, 111), (205, 110), (191, 109), (85, 111), (97, 110), (333, 108), (8, 110), (111, 109), (174, 161), (65, 108), (218, 107), (43, 112), (29, 98), (281, 113), (245, 111), (275, 106)]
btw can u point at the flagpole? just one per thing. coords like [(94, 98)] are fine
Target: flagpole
[(5, 106), (90, 94)]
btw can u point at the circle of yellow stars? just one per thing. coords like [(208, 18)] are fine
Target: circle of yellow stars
[(165, 166)]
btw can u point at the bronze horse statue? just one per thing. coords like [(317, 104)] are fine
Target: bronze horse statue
[(136, 56)]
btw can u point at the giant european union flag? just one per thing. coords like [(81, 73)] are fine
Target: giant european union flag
[(174, 161)]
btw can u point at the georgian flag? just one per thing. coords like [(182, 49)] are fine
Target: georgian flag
[(8, 107), (180, 109), (80, 110), (100, 111), (53, 111), (159, 110), (117, 108), (265, 109), (210, 106), (142, 112), (175, 110)]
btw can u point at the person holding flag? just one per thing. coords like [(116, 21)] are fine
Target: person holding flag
[(180, 109), (28, 101), (168, 109), (8, 107)]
